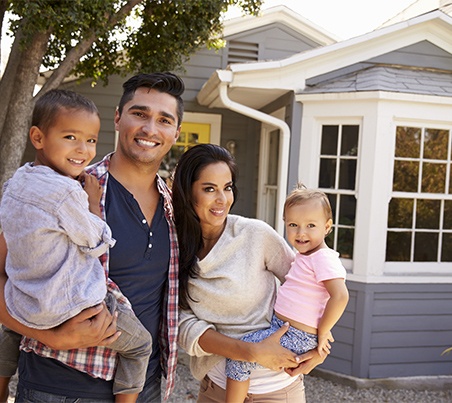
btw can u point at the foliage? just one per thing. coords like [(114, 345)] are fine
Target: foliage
[(93, 39)]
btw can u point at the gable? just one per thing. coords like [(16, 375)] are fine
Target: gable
[(421, 54), (275, 41)]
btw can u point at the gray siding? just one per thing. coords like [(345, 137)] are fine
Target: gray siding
[(275, 42), (394, 330), (422, 54)]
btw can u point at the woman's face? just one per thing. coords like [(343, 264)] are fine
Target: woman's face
[(212, 195)]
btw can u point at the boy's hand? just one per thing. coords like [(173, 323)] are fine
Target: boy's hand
[(94, 191)]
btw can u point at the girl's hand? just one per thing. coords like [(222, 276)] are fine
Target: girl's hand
[(324, 346)]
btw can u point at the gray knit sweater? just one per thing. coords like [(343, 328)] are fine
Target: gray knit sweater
[(235, 288)]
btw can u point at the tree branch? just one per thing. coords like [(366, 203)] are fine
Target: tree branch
[(75, 54)]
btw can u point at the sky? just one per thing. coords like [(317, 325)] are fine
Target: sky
[(343, 18)]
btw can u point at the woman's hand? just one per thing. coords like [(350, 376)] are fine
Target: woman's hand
[(270, 354), (308, 361)]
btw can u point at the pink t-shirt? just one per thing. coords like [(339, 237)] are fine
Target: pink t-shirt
[(303, 296)]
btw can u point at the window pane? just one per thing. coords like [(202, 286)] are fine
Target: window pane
[(182, 137), (349, 144), (447, 224), (193, 138), (347, 210), (446, 253), (345, 242), (425, 247), (347, 174), (408, 142), (435, 144), (398, 246), (329, 240), (400, 213), (427, 214), (330, 136), (406, 175), (333, 202), (433, 178), (327, 173)]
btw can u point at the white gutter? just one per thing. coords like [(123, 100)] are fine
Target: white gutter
[(283, 149)]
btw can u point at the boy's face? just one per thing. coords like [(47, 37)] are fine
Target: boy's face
[(307, 226), (69, 144)]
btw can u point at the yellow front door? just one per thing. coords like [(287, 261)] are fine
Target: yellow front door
[(190, 135)]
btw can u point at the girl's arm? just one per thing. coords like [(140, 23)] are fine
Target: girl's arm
[(92, 327), (333, 311)]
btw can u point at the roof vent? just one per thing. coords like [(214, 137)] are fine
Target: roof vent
[(242, 52)]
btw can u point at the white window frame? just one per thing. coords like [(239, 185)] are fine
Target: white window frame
[(416, 268)]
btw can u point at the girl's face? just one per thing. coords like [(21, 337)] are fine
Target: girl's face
[(307, 226), (213, 196)]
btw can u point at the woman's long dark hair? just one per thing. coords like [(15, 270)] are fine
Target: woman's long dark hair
[(189, 234)]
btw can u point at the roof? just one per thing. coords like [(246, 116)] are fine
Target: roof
[(257, 84), (283, 15), (389, 78)]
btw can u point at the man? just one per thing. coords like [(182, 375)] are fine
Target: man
[(144, 262)]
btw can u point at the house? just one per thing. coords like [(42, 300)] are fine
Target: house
[(367, 120)]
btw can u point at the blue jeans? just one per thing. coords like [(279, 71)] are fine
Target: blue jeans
[(150, 394)]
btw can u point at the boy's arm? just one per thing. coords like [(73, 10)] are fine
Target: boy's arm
[(92, 327), (333, 310)]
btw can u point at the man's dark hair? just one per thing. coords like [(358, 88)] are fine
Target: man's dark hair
[(167, 83), (49, 105)]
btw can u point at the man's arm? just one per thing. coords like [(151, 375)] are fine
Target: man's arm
[(92, 327)]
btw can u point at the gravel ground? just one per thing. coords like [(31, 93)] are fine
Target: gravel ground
[(318, 390)]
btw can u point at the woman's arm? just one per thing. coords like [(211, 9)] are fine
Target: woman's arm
[(268, 353), (92, 327)]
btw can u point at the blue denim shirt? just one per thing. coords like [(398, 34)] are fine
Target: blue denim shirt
[(53, 247)]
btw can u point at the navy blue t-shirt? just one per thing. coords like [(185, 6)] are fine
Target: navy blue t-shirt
[(139, 264)]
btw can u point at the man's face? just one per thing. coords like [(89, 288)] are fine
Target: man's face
[(148, 126)]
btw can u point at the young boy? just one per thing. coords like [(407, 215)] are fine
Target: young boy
[(55, 236), (314, 295)]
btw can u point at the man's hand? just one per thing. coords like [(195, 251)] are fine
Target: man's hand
[(92, 327)]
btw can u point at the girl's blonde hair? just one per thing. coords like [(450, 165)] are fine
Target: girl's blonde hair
[(301, 194)]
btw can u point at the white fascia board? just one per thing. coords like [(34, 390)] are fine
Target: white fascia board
[(374, 95), (208, 95), (283, 15)]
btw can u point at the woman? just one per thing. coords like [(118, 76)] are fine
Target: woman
[(228, 266)]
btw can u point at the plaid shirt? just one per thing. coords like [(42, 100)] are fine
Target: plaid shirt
[(100, 362)]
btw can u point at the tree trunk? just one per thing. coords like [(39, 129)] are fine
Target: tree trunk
[(20, 106)]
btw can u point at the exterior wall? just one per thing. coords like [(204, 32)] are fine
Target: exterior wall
[(422, 54), (399, 318), (275, 42), (393, 330)]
